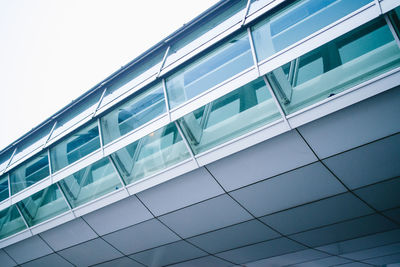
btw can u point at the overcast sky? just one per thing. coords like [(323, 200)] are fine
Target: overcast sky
[(52, 51)]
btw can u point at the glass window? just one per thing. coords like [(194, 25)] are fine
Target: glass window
[(297, 22), (5, 158), (29, 173), (144, 107), (151, 154), (91, 182), (11, 222), (395, 19), (232, 115), (340, 64), (231, 58), (43, 205), (4, 193), (75, 147)]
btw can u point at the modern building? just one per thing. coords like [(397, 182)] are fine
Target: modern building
[(261, 133)]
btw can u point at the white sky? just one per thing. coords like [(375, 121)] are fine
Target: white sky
[(52, 51)]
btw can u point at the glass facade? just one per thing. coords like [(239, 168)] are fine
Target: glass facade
[(4, 192), (11, 222)]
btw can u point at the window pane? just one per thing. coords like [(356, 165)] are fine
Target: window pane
[(75, 146), (4, 193), (136, 112), (230, 116), (90, 183), (297, 22), (43, 205), (210, 70), (340, 64), (11, 222), (29, 173), (151, 154)]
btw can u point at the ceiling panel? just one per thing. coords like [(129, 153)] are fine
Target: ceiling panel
[(22, 251), (118, 215), (89, 253), (210, 261), (323, 212), (261, 250), (177, 193), (368, 164), (6, 260), (234, 236), (382, 196), (394, 258), (206, 216), (355, 264), (140, 237), (169, 254), (120, 262), (394, 214), (374, 252), (329, 261), (345, 230), (49, 260), (68, 234), (274, 156), (364, 122), (300, 186)]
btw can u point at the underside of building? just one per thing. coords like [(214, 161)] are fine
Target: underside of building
[(261, 133)]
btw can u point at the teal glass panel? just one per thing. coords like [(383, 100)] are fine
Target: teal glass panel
[(11, 222), (336, 66), (4, 193), (90, 183), (298, 21), (151, 154), (43, 205), (215, 67), (230, 116), (29, 173), (75, 146), (140, 109), (394, 16)]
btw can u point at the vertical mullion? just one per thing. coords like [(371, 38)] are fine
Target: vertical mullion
[(50, 165), (253, 50), (24, 219), (9, 185), (65, 198), (100, 136), (378, 4), (99, 103), (246, 11), (166, 98), (163, 61), (392, 30), (9, 161), (118, 174), (186, 143), (51, 132)]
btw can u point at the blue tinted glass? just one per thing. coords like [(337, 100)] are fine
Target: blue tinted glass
[(4, 193), (11, 222)]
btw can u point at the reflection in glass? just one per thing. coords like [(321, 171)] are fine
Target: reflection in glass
[(4, 193), (141, 109), (75, 147), (43, 205), (297, 22), (91, 182), (11, 222), (226, 61), (340, 64), (151, 154), (232, 115), (29, 173)]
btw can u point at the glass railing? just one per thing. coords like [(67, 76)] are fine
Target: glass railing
[(217, 66), (336, 66), (91, 182), (11, 222), (29, 173), (4, 192), (140, 109), (297, 22), (232, 115), (43, 205), (75, 147)]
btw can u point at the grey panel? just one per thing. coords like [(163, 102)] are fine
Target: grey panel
[(142, 236), (288, 259), (185, 190), (169, 254), (368, 164), (121, 262), (297, 187), (374, 252), (261, 250), (116, 216), (205, 216), (345, 230), (395, 258), (327, 211), (393, 214), (6, 260), (356, 125), (22, 251), (50, 260), (362, 243), (234, 236), (382, 196), (274, 156), (91, 252), (209, 261), (329, 261), (68, 234), (355, 264)]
